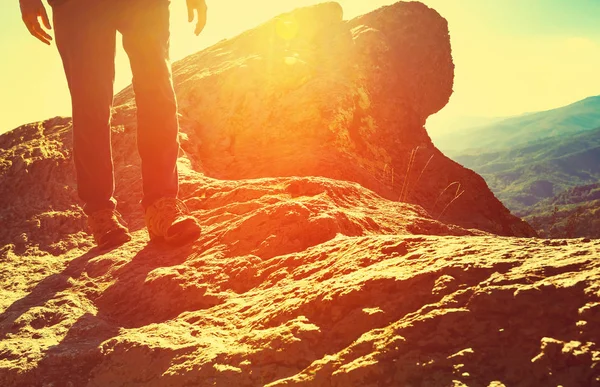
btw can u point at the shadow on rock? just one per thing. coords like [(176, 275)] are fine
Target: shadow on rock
[(150, 289), (43, 292)]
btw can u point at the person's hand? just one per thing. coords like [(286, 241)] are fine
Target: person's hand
[(200, 7), (32, 11)]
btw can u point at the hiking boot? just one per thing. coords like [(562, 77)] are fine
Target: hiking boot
[(169, 220), (107, 229)]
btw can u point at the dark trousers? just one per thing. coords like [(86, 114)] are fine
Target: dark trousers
[(85, 33)]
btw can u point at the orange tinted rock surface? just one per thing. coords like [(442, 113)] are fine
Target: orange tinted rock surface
[(304, 281), (297, 279)]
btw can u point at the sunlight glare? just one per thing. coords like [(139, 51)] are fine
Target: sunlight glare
[(287, 28)]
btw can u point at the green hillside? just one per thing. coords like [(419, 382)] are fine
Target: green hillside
[(523, 176), (545, 167), (574, 212), (530, 128)]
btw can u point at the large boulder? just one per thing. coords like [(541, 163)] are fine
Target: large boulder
[(308, 93)]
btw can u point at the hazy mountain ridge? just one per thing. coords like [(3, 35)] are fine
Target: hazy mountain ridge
[(521, 177), (530, 128), (542, 179), (555, 147)]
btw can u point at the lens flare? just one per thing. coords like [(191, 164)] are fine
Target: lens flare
[(287, 28)]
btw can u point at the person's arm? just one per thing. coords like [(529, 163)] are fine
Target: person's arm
[(199, 6), (31, 12)]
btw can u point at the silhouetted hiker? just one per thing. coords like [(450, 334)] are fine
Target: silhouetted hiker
[(85, 32)]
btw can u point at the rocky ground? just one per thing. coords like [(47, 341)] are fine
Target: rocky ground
[(305, 281), (310, 270)]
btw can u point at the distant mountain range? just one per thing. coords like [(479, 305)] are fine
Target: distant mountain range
[(529, 128), (543, 166)]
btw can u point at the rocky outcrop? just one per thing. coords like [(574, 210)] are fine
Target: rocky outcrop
[(304, 281), (308, 94), (296, 140)]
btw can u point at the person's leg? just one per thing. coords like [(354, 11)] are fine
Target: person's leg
[(145, 28), (85, 36)]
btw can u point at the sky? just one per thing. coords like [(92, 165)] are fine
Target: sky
[(511, 56)]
